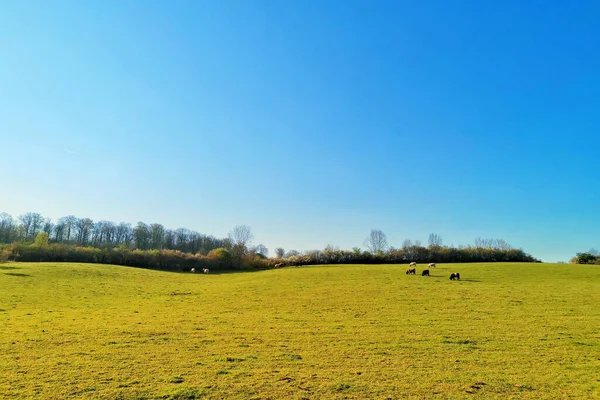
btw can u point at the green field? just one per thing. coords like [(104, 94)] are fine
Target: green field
[(505, 331)]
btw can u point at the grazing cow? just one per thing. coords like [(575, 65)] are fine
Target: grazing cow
[(413, 264), (454, 276), (431, 265), (278, 265), (205, 270), (193, 270), (411, 271), (425, 273), (458, 276)]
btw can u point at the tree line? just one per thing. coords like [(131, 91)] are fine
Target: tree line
[(592, 256), (106, 234), (31, 237), (378, 251)]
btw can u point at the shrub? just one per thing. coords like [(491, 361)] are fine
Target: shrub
[(42, 239)]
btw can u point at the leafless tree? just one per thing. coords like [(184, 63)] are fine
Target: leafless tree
[(84, 227), (123, 233), (291, 253), (68, 224), (262, 250), (376, 242), (157, 236), (499, 244), (109, 233), (279, 252), (48, 226), (240, 236), (31, 222), (331, 248), (502, 244), (435, 240), (7, 228)]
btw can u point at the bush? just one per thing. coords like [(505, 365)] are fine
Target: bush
[(586, 258), (42, 239), (4, 253)]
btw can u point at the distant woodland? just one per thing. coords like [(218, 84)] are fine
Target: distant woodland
[(31, 237)]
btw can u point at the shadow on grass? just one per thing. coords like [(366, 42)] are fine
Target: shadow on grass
[(6, 268), (16, 274)]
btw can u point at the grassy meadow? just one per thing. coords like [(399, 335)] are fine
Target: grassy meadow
[(505, 331)]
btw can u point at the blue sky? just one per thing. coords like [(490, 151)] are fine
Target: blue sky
[(310, 121)]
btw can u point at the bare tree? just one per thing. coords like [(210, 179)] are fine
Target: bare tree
[(279, 252), (406, 244), (240, 236), (262, 250), (141, 236), (123, 233), (48, 226), (331, 248), (83, 227), (109, 233), (435, 240), (157, 236), (182, 238), (97, 233), (376, 242), (499, 244), (170, 239), (31, 222), (7, 228), (291, 253), (502, 244), (68, 224)]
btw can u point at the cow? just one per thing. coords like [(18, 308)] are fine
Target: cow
[(425, 273), (193, 270), (411, 271), (205, 270), (454, 276), (413, 264), (431, 265), (278, 265)]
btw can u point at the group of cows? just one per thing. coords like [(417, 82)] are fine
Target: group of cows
[(412, 270)]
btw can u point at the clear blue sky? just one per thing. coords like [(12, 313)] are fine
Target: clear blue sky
[(311, 121)]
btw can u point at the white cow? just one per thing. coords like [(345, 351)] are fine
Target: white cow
[(205, 270), (431, 265), (413, 264), (193, 270)]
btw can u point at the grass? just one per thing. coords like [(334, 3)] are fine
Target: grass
[(505, 331)]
